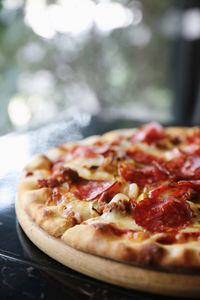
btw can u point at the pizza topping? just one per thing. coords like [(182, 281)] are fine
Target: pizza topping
[(52, 182), (157, 191), (164, 215), (180, 167), (89, 151), (190, 236), (64, 174), (183, 237), (167, 239), (91, 189), (184, 190), (29, 174), (95, 206), (146, 169), (191, 168), (193, 149), (56, 196), (195, 137), (142, 176), (172, 168), (118, 231), (174, 237), (104, 199), (164, 210), (94, 162), (122, 205), (150, 133), (190, 184), (133, 190), (74, 217), (141, 156), (176, 189), (119, 197), (127, 233)]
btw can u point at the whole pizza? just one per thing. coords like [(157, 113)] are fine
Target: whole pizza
[(129, 199)]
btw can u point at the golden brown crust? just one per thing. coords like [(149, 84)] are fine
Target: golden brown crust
[(33, 202), (126, 275), (39, 162), (97, 237)]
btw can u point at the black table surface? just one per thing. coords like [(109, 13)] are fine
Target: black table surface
[(25, 271)]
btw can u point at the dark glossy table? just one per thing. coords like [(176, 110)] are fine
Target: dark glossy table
[(26, 272)]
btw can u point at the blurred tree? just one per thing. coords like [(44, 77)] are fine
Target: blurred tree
[(121, 70)]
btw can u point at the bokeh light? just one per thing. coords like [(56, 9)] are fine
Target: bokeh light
[(59, 57), (76, 17), (109, 16), (18, 111)]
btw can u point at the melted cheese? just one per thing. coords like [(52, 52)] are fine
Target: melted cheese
[(86, 173), (153, 150), (82, 210), (115, 217), (93, 169)]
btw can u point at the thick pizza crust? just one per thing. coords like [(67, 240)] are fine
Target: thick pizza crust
[(96, 238), (129, 276), (33, 200), (47, 217)]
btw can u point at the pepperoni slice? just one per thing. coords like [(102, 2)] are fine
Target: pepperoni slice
[(190, 184), (193, 142), (89, 151), (149, 133), (141, 157), (176, 189), (184, 190), (81, 150), (194, 138), (182, 167), (171, 238), (157, 191), (190, 236), (142, 176), (90, 189), (164, 213), (191, 168), (174, 165), (194, 149), (167, 239)]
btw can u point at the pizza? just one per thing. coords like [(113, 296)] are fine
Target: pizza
[(131, 196)]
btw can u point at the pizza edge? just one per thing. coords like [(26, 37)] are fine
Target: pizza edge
[(98, 238), (114, 272), (47, 217), (147, 252)]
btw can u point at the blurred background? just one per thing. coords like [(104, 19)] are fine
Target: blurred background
[(135, 59)]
